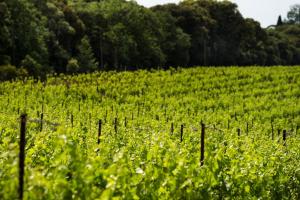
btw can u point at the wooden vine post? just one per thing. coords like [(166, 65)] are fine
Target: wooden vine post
[(99, 130), (172, 128), (72, 120), (22, 155), (284, 137), (116, 125), (41, 125), (228, 124), (202, 144), (181, 133)]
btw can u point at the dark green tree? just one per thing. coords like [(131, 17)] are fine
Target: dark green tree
[(194, 21), (85, 56), (175, 42), (28, 32), (279, 21), (5, 35), (33, 67), (288, 35), (293, 15)]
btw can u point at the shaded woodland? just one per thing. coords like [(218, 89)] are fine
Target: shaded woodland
[(68, 36)]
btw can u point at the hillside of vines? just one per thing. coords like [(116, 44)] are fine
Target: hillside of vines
[(150, 124)]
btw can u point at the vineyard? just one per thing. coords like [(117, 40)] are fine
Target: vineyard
[(199, 133)]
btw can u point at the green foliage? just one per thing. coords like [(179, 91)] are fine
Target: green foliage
[(279, 21), (7, 72), (85, 57), (143, 160), (32, 66), (121, 35), (28, 32), (293, 15), (175, 42), (5, 37), (73, 66)]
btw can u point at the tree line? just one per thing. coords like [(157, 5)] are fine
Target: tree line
[(79, 36)]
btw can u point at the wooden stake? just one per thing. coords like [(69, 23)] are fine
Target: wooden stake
[(72, 120), (181, 133), (99, 130), (284, 137), (22, 155), (228, 124), (90, 119), (116, 125), (172, 128), (202, 144), (42, 118)]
